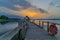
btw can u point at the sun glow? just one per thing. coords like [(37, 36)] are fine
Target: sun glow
[(32, 13)]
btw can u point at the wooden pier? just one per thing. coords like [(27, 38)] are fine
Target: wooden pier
[(29, 30)]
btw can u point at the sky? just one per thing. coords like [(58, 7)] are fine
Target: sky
[(44, 4), (31, 8)]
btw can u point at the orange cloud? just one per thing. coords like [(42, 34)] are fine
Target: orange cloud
[(32, 13), (25, 12)]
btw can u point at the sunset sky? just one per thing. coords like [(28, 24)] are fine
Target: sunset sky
[(31, 8)]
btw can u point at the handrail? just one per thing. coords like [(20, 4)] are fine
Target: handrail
[(52, 22), (22, 31), (48, 23), (45, 19)]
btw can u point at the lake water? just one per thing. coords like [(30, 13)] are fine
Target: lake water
[(7, 27)]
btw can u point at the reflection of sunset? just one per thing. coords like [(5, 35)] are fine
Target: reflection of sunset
[(32, 13)]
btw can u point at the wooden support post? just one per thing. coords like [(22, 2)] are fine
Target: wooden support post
[(39, 23), (33, 21), (19, 35), (42, 24), (48, 26)]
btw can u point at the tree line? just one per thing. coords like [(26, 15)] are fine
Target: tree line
[(3, 17)]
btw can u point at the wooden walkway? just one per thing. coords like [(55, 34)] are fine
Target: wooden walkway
[(36, 33)]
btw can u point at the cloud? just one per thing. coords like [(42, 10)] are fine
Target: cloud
[(24, 8), (10, 4), (25, 12), (31, 7), (6, 10), (19, 7), (31, 13), (54, 13)]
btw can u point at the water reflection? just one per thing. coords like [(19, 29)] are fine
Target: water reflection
[(7, 27), (3, 23)]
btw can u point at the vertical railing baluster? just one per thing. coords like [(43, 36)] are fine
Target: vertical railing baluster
[(39, 23), (33, 21), (48, 26), (42, 24)]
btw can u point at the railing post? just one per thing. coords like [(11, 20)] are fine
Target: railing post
[(39, 23), (48, 26), (33, 21), (42, 24), (22, 31), (19, 35)]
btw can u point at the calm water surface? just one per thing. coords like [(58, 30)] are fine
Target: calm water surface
[(7, 27)]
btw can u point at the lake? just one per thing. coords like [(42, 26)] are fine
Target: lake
[(7, 27)]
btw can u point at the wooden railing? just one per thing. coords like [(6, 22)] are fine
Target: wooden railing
[(22, 31), (41, 23)]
